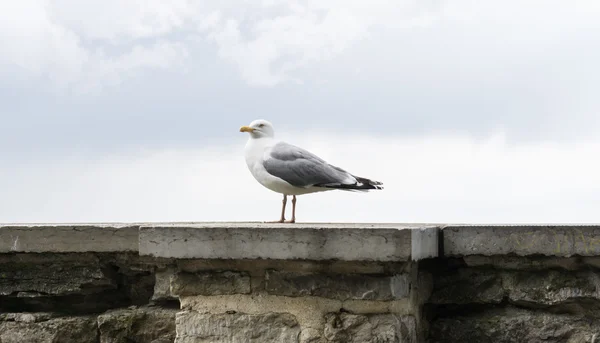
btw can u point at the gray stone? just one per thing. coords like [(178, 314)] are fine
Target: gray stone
[(347, 242), (311, 335), (511, 325), (194, 327), (68, 238), (541, 288), (467, 285), (376, 328), (551, 287), (556, 240), (57, 330), (210, 283), (522, 262), (52, 277), (26, 317), (162, 285), (337, 286), (424, 243), (142, 325)]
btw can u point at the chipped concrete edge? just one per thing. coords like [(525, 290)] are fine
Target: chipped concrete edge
[(350, 242)]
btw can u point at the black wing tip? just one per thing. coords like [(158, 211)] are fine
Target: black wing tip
[(362, 184)]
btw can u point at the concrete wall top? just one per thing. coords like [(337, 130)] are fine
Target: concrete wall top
[(62, 238), (346, 242), (522, 240), (368, 242), (312, 241)]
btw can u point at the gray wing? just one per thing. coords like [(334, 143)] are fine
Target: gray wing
[(301, 168)]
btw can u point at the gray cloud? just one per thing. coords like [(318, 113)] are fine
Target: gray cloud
[(182, 75)]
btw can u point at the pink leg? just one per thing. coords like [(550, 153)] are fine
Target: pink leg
[(293, 220)]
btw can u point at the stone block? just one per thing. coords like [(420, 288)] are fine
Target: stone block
[(522, 262), (63, 238), (51, 277), (467, 285), (137, 325), (539, 288), (337, 286), (162, 285), (375, 328), (344, 242), (56, 330), (522, 240), (551, 287), (512, 325), (210, 283), (194, 327)]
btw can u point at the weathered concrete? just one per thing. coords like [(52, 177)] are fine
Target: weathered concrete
[(153, 325), (513, 325), (338, 286), (194, 327), (66, 329), (64, 238), (352, 328), (362, 242), (305, 283), (309, 311), (210, 283), (522, 240)]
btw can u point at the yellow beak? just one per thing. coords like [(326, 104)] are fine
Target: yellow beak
[(246, 129)]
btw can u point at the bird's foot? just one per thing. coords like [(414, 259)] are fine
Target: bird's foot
[(291, 221)]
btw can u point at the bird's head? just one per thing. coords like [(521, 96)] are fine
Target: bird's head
[(259, 128)]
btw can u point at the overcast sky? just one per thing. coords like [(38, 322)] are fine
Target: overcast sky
[(468, 111)]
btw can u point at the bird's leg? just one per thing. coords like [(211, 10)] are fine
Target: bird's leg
[(284, 201), (282, 219), (293, 220)]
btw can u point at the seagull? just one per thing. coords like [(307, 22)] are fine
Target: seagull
[(290, 170)]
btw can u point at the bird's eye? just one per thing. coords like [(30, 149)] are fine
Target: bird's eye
[(261, 125)]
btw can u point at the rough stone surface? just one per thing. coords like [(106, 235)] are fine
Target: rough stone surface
[(548, 240), (141, 325), (73, 282), (379, 328), (194, 327), (26, 317), (308, 283), (210, 283), (51, 278), (537, 288), (515, 326), (68, 238), (523, 263), (338, 286), (464, 286), (162, 285), (56, 330), (347, 242)]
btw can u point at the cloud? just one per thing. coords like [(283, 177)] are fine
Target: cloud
[(84, 47), (273, 47), (273, 42), (451, 179), (90, 42)]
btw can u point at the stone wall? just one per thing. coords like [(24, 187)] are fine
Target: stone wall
[(310, 283), (516, 284)]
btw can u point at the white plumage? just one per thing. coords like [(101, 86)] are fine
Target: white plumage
[(290, 170)]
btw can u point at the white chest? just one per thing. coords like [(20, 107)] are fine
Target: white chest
[(256, 151)]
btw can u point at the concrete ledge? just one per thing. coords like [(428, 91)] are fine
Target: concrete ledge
[(347, 242), (64, 238), (522, 240), (344, 242)]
